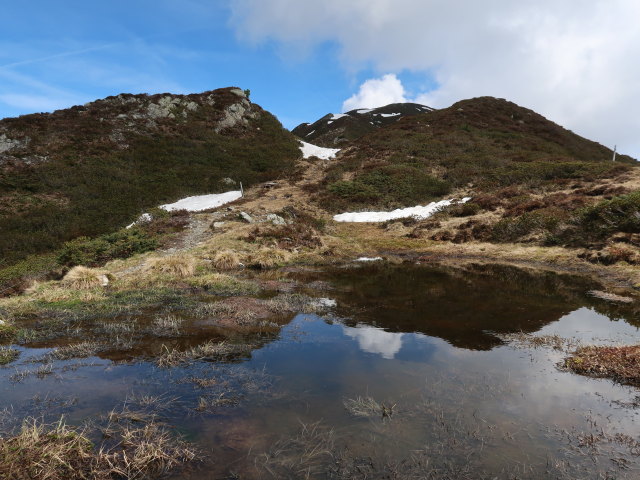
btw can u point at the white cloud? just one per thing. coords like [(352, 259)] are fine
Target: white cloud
[(573, 61), (376, 92), (375, 340)]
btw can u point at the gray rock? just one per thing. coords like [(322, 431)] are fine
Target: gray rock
[(7, 143), (218, 225), (246, 217), (276, 219)]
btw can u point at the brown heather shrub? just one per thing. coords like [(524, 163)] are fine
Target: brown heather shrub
[(225, 260), (180, 265), (621, 363), (83, 278)]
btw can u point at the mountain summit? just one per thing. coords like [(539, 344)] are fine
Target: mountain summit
[(338, 129), (90, 169)]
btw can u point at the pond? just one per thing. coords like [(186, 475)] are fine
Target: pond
[(407, 372)]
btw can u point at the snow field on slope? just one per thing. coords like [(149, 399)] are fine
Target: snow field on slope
[(309, 150), (418, 212), (203, 202)]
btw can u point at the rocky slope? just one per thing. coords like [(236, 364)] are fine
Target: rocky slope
[(90, 169), (339, 129)]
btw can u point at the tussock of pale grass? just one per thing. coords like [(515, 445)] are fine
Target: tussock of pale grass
[(59, 452), (83, 278), (269, 258), (180, 265), (225, 260), (51, 452)]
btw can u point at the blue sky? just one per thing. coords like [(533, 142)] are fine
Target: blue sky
[(573, 61), (57, 54)]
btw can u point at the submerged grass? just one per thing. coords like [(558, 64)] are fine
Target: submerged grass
[(209, 351), (8, 355)]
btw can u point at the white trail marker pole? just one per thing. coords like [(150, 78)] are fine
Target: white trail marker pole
[(614, 152)]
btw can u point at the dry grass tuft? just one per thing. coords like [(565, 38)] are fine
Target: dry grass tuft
[(59, 452), (619, 363), (226, 260), (180, 265), (83, 278), (269, 258), (51, 452)]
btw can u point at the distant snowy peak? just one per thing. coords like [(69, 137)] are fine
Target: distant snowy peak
[(336, 129)]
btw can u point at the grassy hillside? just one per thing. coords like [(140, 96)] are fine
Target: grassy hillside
[(91, 169), (483, 144)]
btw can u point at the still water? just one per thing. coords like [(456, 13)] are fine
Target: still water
[(412, 372)]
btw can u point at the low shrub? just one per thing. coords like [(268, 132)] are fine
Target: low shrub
[(97, 251), (18, 277), (385, 186), (620, 214), (463, 209), (539, 221)]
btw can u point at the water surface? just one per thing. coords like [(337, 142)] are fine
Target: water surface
[(421, 351)]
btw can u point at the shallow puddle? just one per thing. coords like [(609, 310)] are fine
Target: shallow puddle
[(414, 373)]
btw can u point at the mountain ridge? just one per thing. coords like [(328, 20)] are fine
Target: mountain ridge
[(335, 130)]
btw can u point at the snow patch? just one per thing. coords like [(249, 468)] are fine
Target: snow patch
[(364, 110), (309, 150), (144, 218), (203, 202), (418, 212), (389, 114), (336, 116)]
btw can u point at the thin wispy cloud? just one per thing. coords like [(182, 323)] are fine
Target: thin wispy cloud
[(56, 56)]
